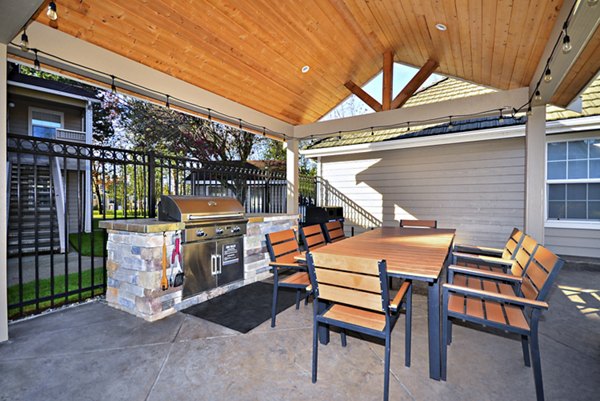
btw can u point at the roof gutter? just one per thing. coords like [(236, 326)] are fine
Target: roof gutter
[(552, 127)]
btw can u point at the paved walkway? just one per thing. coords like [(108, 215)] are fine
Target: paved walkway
[(92, 352)]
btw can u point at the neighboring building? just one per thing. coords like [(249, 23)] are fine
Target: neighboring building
[(56, 110), (470, 176)]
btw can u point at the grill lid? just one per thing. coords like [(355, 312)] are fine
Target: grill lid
[(199, 208)]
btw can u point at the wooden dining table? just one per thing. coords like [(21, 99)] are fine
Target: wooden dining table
[(410, 253)]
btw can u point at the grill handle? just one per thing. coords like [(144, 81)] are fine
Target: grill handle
[(193, 217), (219, 264), (213, 264)]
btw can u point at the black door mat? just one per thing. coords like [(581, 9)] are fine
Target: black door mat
[(243, 308)]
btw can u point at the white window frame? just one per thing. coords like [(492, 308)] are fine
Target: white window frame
[(572, 224), (41, 110)]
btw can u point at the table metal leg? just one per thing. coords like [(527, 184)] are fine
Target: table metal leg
[(433, 317)]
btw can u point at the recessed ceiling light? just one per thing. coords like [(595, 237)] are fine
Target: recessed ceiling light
[(305, 69), (441, 27)]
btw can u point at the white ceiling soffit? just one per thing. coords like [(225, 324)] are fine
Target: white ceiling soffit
[(14, 14)]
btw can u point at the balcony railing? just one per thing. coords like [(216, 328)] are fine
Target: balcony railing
[(70, 135)]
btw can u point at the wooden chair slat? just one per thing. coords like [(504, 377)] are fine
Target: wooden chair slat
[(347, 296), (359, 317), (460, 279), (347, 263), (419, 223), (280, 236), (284, 248), (349, 280), (546, 258), (300, 278), (493, 312), (315, 240), (456, 304), (515, 316), (506, 289), (528, 289), (311, 230), (475, 307), (536, 274), (489, 285)]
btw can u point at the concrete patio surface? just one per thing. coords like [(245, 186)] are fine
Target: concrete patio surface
[(93, 352)]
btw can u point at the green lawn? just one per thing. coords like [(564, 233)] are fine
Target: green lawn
[(86, 242), (29, 290)]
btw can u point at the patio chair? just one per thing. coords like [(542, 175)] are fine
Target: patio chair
[(334, 231), (508, 252), (312, 237), (518, 314), (350, 293), (283, 248), (418, 223)]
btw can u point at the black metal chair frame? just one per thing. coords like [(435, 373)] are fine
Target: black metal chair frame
[(391, 317)]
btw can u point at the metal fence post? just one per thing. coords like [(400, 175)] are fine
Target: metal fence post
[(151, 185), (267, 204)]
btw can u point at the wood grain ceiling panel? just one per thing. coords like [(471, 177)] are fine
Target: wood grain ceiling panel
[(252, 51)]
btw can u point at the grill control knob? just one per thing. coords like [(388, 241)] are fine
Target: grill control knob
[(235, 229), (200, 233), (219, 231)]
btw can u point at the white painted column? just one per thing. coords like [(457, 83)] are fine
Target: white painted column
[(3, 205), (89, 128), (535, 168), (292, 175)]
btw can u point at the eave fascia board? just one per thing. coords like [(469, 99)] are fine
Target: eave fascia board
[(53, 92), (483, 105)]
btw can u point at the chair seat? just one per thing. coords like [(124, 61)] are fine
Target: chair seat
[(494, 269), (356, 316), (482, 284), (299, 280), (287, 260)]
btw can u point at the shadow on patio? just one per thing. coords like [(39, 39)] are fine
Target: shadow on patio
[(95, 352)]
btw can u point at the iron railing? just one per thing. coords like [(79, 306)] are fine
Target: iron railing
[(59, 190)]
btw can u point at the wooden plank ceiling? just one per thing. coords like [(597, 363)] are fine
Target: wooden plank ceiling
[(252, 52)]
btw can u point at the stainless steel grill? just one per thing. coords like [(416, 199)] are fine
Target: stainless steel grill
[(213, 246)]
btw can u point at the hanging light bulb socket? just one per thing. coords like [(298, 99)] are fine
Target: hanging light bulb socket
[(529, 112), (113, 87), (372, 133), (24, 41), (566, 46), (592, 3), (500, 117), (547, 75), (408, 126), (450, 126), (36, 62), (538, 96), (209, 115), (167, 103), (51, 11)]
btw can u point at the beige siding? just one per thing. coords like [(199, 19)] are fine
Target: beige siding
[(477, 188), (574, 242)]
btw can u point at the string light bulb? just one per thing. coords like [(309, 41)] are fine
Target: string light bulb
[(500, 117), (548, 75), (529, 112), (265, 131), (592, 3), (209, 115), (566, 46), (538, 96), (24, 41), (372, 133), (408, 126), (167, 103), (113, 87), (36, 62), (450, 126), (51, 11)]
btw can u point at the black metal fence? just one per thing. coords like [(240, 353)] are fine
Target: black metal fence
[(59, 190)]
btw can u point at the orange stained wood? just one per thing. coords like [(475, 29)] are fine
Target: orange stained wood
[(252, 52), (388, 77), (356, 316), (416, 252)]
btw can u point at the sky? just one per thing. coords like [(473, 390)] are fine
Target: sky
[(402, 74)]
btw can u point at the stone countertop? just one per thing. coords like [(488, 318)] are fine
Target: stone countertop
[(262, 217), (141, 225)]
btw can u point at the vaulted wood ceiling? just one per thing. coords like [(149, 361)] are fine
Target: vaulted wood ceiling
[(252, 51)]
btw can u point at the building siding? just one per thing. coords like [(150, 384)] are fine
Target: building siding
[(573, 242), (18, 116), (477, 188)]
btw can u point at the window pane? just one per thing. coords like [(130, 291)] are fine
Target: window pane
[(557, 151), (578, 169), (578, 150), (594, 191), (43, 132), (576, 192), (594, 210), (595, 168), (557, 170), (576, 210), (44, 123), (556, 210), (556, 192), (595, 148)]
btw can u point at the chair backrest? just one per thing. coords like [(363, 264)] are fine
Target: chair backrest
[(334, 231), (312, 236), (282, 243), (349, 280), (419, 223), (540, 274), (524, 256), (513, 243)]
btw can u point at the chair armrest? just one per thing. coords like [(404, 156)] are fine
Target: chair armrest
[(485, 274), (478, 250), (395, 303), (289, 265), (490, 260), (495, 297)]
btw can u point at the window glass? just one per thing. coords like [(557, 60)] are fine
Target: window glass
[(556, 210), (595, 168), (594, 148), (557, 170), (44, 125), (556, 192), (594, 210), (557, 151), (594, 191), (576, 191), (577, 150), (578, 169), (576, 210)]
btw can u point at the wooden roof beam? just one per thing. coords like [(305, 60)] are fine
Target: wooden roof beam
[(364, 96), (415, 83), (388, 75)]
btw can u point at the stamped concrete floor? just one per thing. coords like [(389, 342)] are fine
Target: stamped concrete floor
[(93, 352)]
